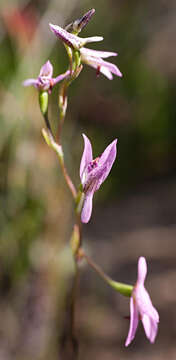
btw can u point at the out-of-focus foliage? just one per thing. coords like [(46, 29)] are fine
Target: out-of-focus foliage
[(36, 210)]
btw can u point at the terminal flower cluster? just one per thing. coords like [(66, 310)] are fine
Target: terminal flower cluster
[(88, 56)]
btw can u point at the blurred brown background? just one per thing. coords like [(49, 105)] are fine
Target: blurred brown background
[(134, 212)]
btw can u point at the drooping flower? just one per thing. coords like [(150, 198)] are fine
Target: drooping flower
[(45, 80), (94, 58), (93, 173), (72, 40), (141, 307)]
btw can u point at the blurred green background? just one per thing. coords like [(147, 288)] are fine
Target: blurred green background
[(134, 212)]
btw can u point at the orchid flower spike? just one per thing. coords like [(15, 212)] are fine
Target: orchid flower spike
[(72, 40), (94, 59), (93, 173), (45, 80), (141, 307)]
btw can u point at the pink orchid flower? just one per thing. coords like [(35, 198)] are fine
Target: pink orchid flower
[(45, 80), (93, 173), (72, 40), (94, 59), (141, 307)]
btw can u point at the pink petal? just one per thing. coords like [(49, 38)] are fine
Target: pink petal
[(106, 161), (95, 63), (111, 67), (72, 40), (105, 67), (65, 36), (154, 330), (96, 53), (61, 77), (87, 207), (104, 70), (150, 327), (134, 319), (109, 154), (144, 302), (97, 176), (147, 325), (91, 39), (30, 82), (142, 270), (86, 156), (47, 70)]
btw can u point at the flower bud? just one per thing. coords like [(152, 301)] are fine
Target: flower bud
[(43, 101), (76, 26)]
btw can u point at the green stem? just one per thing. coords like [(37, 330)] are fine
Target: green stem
[(62, 102), (70, 57), (58, 149), (68, 180), (48, 123), (74, 338)]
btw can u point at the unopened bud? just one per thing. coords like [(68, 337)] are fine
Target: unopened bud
[(43, 101), (76, 26)]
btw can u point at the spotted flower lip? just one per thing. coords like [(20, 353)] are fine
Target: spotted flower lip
[(93, 173), (45, 80), (141, 307), (94, 58), (72, 40)]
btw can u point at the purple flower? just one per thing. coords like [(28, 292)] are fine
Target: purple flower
[(45, 80), (141, 307), (93, 173), (72, 40), (94, 59)]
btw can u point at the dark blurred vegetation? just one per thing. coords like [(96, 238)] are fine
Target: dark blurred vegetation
[(136, 203)]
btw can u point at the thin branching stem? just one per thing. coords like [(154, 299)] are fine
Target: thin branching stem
[(122, 288), (95, 267), (61, 161)]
